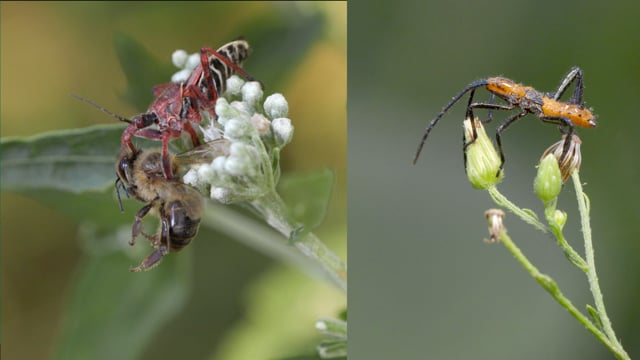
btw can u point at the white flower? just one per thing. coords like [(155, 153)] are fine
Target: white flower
[(192, 61), (251, 167), (252, 93), (276, 106), (179, 58), (282, 131), (234, 85)]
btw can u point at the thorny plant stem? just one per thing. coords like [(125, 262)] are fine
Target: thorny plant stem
[(592, 277), (527, 217), (552, 288), (275, 213)]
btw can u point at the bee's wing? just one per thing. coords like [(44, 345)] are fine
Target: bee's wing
[(204, 153)]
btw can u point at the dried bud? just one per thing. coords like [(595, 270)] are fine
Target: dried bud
[(494, 218), (571, 160)]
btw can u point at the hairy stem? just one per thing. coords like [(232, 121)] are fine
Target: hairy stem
[(591, 269), (527, 217), (275, 213), (552, 288), (556, 230)]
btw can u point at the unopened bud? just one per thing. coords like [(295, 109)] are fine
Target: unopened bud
[(548, 181), (483, 162)]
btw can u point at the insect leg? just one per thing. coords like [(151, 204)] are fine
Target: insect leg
[(137, 223), (469, 115), (455, 99), (474, 134), (499, 131), (575, 74), (166, 160), (195, 100), (152, 260), (471, 106), (491, 106), (192, 133), (162, 248), (565, 124), (137, 125), (492, 97)]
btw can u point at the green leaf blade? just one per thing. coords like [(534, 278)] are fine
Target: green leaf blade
[(307, 196), (71, 160)]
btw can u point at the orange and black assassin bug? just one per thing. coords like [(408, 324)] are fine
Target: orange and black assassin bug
[(546, 106)]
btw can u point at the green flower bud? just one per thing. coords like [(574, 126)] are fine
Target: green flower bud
[(483, 161), (548, 182), (560, 218)]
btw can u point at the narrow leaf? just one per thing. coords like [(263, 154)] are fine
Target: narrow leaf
[(595, 316)]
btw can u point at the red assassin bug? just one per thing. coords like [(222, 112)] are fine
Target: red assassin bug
[(547, 107), (179, 104), (136, 178)]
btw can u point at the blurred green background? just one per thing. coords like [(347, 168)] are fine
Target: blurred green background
[(423, 283), (239, 303)]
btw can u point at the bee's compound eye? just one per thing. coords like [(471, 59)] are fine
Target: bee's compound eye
[(124, 170)]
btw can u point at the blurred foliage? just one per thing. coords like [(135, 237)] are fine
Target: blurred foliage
[(90, 306), (142, 70), (307, 196)]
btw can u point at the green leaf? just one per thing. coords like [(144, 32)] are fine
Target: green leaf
[(71, 160), (114, 314), (99, 210), (531, 213), (307, 197), (595, 316), (332, 349), (332, 327), (141, 69)]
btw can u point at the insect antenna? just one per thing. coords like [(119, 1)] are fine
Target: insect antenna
[(120, 186), (101, 108), (455, 99)]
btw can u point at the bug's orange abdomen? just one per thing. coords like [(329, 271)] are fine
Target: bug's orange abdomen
[(506, 87), (577, 114)]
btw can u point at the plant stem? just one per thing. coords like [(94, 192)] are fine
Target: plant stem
[(552, 288), (273, 209), (527, 217), (591, 272), (556, 230)]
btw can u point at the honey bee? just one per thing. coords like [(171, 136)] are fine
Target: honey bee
[(179, 206)]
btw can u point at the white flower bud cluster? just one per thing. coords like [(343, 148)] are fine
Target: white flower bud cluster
[(257, 132), (186, 63)]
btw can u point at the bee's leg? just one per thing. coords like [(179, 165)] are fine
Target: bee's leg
[(152, 260), (137, 223), (162, 246)]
